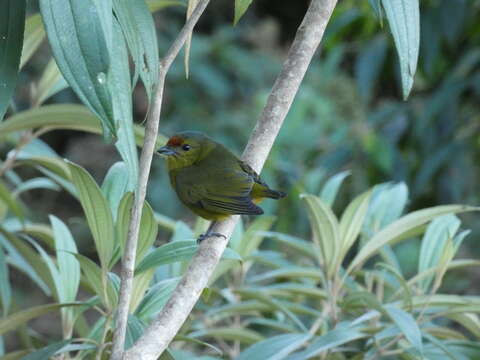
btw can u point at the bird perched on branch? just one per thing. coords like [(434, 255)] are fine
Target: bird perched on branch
[(211, 181)]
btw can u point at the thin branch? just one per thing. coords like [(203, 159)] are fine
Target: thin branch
[(149, 144), (164, 327)]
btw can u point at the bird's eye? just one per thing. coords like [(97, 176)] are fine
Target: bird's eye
[(186, 147)]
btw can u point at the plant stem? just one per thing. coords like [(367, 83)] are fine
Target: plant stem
[(149, 144), (164, 327)]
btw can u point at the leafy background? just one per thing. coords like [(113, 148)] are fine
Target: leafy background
[(348, 119)]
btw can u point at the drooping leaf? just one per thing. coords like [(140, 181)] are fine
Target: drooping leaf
[(404, 20), (79, 46), (12, 204), (12, 24), (97, 212), (139, 30), (115, 185), (118, 81)]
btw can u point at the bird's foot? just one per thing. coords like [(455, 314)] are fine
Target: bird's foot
[(209, 234)]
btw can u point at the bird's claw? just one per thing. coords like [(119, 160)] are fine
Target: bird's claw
[(209, 234)]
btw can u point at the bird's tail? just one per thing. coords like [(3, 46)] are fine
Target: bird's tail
[(274, 194)]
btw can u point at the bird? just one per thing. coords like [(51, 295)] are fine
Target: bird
[(211, 180)]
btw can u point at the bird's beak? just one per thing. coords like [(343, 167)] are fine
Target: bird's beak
[(165, 151)]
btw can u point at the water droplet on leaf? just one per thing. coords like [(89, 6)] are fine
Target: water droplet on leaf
[(101, 78)]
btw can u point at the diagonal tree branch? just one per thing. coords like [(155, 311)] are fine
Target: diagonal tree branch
[(149, 144), (162, 330)]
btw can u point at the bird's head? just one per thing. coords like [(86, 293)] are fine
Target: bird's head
[(185, 148)]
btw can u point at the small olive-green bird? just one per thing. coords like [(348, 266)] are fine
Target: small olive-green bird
[(211, 181)]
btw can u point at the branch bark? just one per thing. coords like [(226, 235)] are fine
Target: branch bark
[(149, 144), (162, 330)]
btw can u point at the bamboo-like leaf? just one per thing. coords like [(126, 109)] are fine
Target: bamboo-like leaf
[(5, 288), (156, 297), (325, 230), (351, 222), (328, 341), (48, 351), (404, 20), (50, 83), (253, 237), (97, 212), (12, 24), (115, 185), (241, 7), (33, 37), (120, 88), (36, 183), (62, 116), (79, 46), (155, 5), (12, 204), (274, 348), (395, 230), (168, 254), (243, 335), (434, 242), (141, 283), (331, 187), (139, 30), (21, 317), (408, 326)]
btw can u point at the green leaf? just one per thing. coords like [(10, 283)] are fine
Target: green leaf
[(12, 203), (274, 348), (156, 298), (12, 24), (50, 83), (121, 91), (395, 230), (97, 212), (33, 37), (47, 351), (352, 221), (288, 272), (21, 317), (36, 183), (168, 254), (404, 20), (68, 266), (245, 336), (328, 341), (331, 187), (240, 7), (115, 185), (135, 328), (407, 325), (97, 281), (434, 243), (298, 245), (325, 230), (80, 49), (139, 30), (252, 238), (155, 5), (5, 288), (141, 283)]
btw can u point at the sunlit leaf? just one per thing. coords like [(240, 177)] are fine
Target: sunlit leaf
[(331, 187)]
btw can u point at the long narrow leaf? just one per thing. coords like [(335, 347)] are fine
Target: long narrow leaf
[(34, 35), (12, 24)]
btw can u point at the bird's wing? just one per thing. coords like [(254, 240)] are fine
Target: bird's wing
[(223, 193)]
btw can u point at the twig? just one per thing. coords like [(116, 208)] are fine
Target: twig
[(164, 327), (151, 133)]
